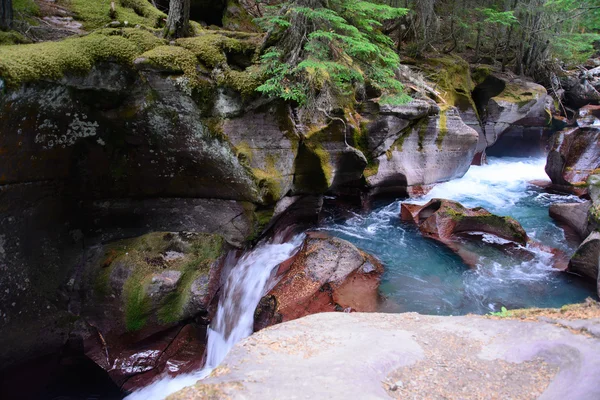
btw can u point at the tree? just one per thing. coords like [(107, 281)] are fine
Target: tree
[(318, 51), (6, 14), (178, 20)]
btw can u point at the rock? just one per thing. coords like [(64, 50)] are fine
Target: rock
[(588, 116), (453, 357), (516, 120), (433, 149), (459, 228), (573, 157), (441, 219), (579, 89), (270, 153), (574, 215), (135, 293), (586, 259), (327, 274)]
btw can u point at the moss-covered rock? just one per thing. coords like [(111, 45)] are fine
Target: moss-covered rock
[(52, 60), (150, 277), (96, 14)]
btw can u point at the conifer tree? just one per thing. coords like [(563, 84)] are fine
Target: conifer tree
[(317, 50)]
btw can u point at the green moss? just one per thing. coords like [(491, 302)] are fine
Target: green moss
[(142, 257), (269, 179), (519, 95), (442, 129), (241, 20), (310, 174), (453, 77), (480, 73), (137, 304), (25, 7), (244, 82), (211, 47), (172, 59), (12, 37), (96, 13), (52, 60)]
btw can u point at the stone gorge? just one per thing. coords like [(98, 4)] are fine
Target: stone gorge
[(147, 185)]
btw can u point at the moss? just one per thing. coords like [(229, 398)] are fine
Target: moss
[(26, 7), (12, 37), (480, 73), (453, 76), (310, 173), (244, 82), (52, 60), (442, 129), (172, 59), (263, 217), (324, 161), (96, 14), (137, 304), (240, 20), (143, 257), (517, 94), (211, 47), (269, 179)]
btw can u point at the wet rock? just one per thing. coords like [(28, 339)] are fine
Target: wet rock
[(327, 274), (135, 294), (465, 230), (516, 120), (436, 148), (573, 157), (574, 215), (441, 219), (579, 88), (588, 116), (586, 259)]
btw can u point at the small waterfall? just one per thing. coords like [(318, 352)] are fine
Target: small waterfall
[(245, 285)]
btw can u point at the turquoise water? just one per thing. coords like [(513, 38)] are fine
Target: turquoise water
[(422, 275)]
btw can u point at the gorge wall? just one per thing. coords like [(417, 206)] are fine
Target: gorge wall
[(120, 135)]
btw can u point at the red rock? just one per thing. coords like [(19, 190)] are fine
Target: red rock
[(452, 224), (327, 274)]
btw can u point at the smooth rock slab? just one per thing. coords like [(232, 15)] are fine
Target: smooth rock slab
[(365, 356)]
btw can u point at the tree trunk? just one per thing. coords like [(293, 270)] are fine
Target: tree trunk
[(478, 43), (6, 14), (178, 21)]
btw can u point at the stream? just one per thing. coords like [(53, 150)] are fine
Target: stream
[(424, 276), (421, 275)]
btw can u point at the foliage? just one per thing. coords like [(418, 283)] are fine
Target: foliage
[(323, 52), (503, 313)]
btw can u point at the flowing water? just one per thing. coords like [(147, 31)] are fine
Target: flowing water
[(422, 275), (246, 284)]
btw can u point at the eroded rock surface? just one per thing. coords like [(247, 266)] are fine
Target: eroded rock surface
[(406, 355)]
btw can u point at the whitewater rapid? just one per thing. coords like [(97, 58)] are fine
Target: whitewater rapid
[(424, 276), (246, 284)]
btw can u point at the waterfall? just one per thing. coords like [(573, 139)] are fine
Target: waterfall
[(234, 320)]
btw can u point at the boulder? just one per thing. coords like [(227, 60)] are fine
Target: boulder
[(135, 292), (516, 121), (416, 145), (574, 156), (458, 228), (573, 215), (586, 260), (327, 274)]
